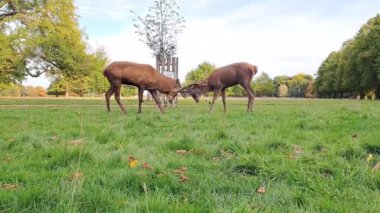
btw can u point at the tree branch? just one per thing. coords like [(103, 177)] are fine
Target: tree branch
[(38, 73), (4, 15)]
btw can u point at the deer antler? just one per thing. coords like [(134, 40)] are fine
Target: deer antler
[(184, 92)]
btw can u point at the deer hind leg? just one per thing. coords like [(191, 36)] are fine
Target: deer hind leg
[(216, 94), (156, 99), (108, 96), (224, 99), (251, 96), (141, 93), (117, 97)]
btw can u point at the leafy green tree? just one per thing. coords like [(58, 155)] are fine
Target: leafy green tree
[(15, 15), (326, 83), (354, 69), (368, 45), (45, 37), (90, 82), (12, 65), (55, 41), (18, 10), (129, 91), (236, 91), (97, 83), (263, 85), (56, 88), (10, 89), (202, 71)]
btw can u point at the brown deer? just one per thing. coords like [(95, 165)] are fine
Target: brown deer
[(144, 77), (222, 78)]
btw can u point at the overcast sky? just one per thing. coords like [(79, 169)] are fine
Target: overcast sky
[(281, 37)]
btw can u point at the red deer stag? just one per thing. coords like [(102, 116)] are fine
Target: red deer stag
[(144, 77), (222, 78)]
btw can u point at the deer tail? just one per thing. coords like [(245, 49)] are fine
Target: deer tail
[(253, 71), (105, 71)]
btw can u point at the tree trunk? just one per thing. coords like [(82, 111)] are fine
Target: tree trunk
[(67, 93), (374, 93)]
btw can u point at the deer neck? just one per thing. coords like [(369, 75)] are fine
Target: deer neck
[(164, 84), (203, 87)]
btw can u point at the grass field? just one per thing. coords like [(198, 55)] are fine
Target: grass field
[(290, 155)]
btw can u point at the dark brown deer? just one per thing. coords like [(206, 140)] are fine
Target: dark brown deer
[(144, 77), (222, 78)]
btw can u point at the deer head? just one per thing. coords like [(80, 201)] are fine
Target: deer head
[(174, 91), (194, 90)]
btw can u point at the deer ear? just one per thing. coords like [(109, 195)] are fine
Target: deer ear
[(177, 82)]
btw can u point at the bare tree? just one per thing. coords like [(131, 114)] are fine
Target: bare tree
[(160, 27)]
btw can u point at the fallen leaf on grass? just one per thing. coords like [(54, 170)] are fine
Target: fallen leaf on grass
[(261, 190), (77, 176), (297, 150), (121, 203), (181, 152), (8, 158), (169, 135), (132, 162), (180, 170), (77, 142), (8, 186), (369, 158), (226, 154), (145, 165), (216, 159), (183, 178), (376, 168), (53, 138), (12, 139), (159, 175)]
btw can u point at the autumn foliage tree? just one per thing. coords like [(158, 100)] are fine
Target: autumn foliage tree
[(298, 84)]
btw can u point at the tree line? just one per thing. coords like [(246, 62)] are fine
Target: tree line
[(299, 85), (354, 70), (43, 37)]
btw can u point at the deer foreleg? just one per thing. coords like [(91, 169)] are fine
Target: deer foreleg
[(117, 97), (224, 99), (141, 93), (156, 99), (216, 94), (108, 96)]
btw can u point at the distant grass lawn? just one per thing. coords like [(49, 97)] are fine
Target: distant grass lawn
[(290, 155)]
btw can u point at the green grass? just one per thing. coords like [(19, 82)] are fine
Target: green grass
[(310, 155)]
